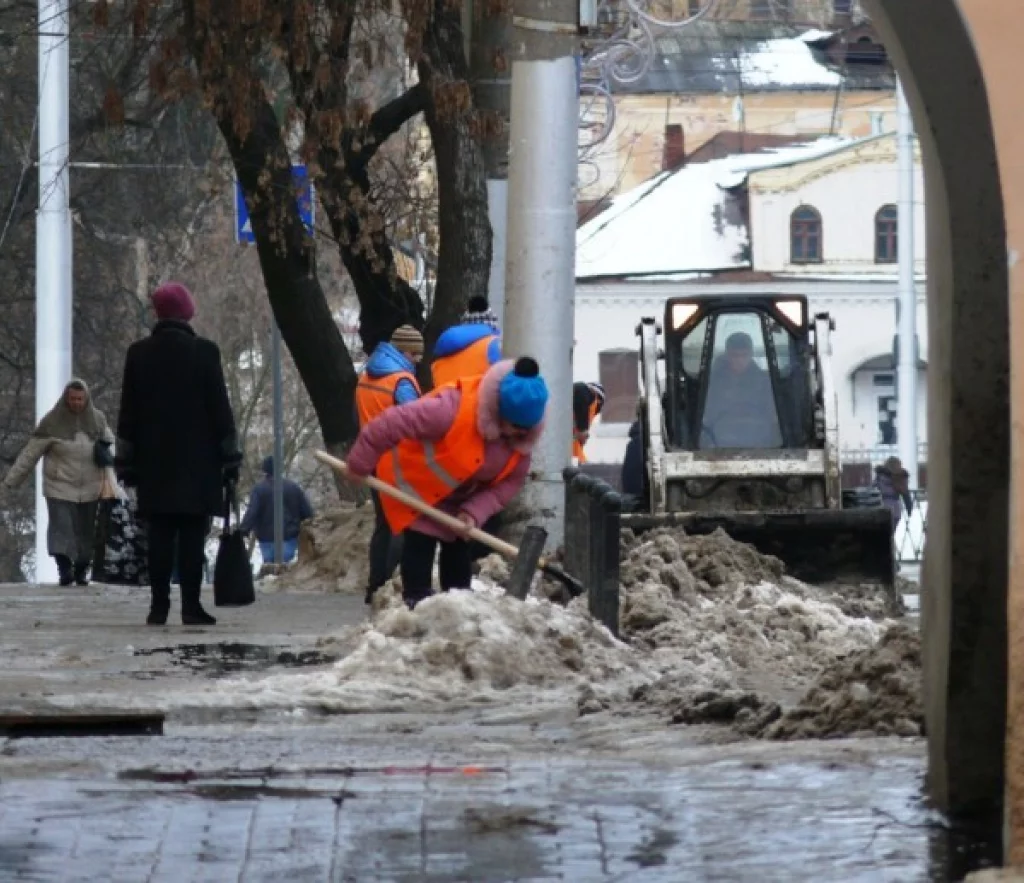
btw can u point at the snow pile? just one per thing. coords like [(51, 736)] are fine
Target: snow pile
[(456, 648), (870, 692), (333, 552), (731, 632)]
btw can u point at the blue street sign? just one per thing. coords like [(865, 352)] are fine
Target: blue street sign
[(307, 210)]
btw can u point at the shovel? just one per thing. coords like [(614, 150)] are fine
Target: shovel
[(574, 586)]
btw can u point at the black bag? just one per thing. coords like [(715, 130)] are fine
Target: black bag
[(121, 553), (232, 572), (102, 456)]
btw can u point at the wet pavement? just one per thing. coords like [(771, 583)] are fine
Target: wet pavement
[(487, 794)]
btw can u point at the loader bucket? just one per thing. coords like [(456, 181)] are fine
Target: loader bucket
[(817, 546)]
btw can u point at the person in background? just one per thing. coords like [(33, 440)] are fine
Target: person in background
[(388, 379), (632, 479), (469, 348), (465, 449), (74, 441), (892, 481), (176, 442), (259, 515), (587, 403), (739, 410)]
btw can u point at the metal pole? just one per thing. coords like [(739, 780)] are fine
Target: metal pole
[(908, 357), (540, 267), (53, 238), (278, 448)]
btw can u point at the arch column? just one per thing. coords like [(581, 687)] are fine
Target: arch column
[(964, 589)]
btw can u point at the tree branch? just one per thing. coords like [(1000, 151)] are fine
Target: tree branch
[(387, 120)]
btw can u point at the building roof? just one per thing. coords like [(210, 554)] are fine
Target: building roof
[(737, 57), (689, 221)]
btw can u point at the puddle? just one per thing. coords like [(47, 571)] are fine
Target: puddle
[(230, 658)]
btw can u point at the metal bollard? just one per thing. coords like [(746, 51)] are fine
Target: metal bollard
[(603, 582), (570, 526), (578, 543)]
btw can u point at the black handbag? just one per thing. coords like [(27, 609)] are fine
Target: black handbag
[(102, 456), (232, 573)]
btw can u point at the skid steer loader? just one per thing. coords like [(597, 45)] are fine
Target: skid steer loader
[(739, 427)]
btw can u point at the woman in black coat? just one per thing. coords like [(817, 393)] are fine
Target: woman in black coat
[(176, 442)]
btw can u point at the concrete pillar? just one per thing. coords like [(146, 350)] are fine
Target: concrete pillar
[(965, 572), (993, 25)]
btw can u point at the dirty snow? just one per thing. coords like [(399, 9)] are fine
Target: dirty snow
[(712, 632), (785, 64), (332, 553)]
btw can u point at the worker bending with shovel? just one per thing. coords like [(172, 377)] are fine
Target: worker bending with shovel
[(465, 449)]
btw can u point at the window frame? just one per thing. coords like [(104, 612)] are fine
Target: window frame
[(891, 232), (807, 232)]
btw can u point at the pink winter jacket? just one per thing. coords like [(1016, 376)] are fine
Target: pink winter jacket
[(429, 419)]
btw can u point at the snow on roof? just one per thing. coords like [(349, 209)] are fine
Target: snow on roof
[(785, 63), (686, 221), (815, 36)]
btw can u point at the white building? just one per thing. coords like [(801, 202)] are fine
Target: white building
[(817, 220)]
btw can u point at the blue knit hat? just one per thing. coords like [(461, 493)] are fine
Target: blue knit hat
[(523, 394), (268, 466)]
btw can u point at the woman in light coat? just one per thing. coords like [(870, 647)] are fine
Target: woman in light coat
[(75, 476)]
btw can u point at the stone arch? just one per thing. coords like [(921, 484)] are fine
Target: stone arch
[(966, 564)]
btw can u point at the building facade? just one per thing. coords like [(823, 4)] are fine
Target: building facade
[(815, 220)]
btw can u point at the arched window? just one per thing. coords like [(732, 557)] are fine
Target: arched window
[(805, 235), (887, 235)]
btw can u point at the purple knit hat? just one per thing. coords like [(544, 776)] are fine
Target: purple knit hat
[(172, 300)]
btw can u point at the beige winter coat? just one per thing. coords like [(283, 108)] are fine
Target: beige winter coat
[(69, 468)]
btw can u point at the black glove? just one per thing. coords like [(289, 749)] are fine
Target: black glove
[(232, 467)]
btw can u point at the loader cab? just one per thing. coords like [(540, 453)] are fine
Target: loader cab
[(739, 374)]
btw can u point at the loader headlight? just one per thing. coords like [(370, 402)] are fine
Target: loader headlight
[(681, 314), (793, 310)]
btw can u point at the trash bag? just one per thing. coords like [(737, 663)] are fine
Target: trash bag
[(232, 573), (121, 550)]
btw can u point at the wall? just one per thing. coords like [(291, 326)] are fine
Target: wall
[(608, 313), (847, 189), (633, 152)]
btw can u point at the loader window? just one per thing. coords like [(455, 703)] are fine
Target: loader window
[(739, 406)]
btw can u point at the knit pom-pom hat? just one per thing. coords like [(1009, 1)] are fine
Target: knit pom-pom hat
[(172, 300), (523, 394), (478, 312), (408, 340)]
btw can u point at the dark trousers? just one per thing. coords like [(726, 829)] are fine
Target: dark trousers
[(385, 547), (479, 550), (418, 563), (188, 532)]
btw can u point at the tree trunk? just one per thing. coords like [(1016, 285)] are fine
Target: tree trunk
[(287, 255), (464, 259)]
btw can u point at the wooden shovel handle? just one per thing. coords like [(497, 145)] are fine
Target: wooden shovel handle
[(443, 518)]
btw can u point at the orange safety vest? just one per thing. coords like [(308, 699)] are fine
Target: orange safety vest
[(577, 448), (470, 362), (374, 395), (432, 471)]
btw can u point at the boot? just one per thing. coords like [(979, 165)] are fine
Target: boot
[(193, 614), (64, 569), (82, 573), (159, 605)]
